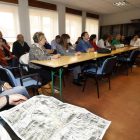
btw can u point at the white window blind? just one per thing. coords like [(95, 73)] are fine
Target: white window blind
[(92, 26), (44, 21), (9, 22), (73, 27)]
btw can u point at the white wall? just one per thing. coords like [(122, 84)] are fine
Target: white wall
[(120, 18)]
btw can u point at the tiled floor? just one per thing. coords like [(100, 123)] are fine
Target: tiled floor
[(121, 104)]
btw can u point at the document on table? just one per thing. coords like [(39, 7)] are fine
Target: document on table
[(46, 118)]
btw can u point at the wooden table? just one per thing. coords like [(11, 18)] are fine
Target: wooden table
[(67, 60)]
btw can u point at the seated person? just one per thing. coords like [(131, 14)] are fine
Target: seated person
[(20, 47), (78, 39), (63, 48), (4, 41), (110, 39), (6, 57), (74, 45), (13, 99), (92, 41), (103, 43), (117, 40), (55, 42), (123, 41), (38, 52), (6, 89), (135, 41), (47, 46), (84, 45)]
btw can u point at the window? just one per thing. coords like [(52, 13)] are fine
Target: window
[(44, 21), (73, 27), (9, 23), (92, 26)]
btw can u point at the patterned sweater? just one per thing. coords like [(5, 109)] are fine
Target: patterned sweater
[(37, 53)]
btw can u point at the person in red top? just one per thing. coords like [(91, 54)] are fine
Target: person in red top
[(92, 41), (6, 57)]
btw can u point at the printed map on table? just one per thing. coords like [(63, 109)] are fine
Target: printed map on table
[(46, 118)]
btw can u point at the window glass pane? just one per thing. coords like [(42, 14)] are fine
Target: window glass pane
[(44, 21), (92, 26), (73, 27), (9, 23)]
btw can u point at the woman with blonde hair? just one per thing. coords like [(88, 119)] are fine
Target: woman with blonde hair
[(38, 52)]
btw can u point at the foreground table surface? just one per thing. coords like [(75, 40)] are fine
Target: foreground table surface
[(66, 60), (46, 118)]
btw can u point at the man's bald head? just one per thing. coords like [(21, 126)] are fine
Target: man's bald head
[(20, 38)]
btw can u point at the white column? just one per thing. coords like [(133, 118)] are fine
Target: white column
[(61, 18), (24, 20), (83, 21)]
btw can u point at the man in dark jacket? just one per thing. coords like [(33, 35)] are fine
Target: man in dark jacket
[(20, 47)]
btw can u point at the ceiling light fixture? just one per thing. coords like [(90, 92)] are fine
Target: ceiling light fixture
[(121, 3)]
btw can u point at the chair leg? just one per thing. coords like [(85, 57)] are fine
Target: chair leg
[(97, 86), (85, 82), (109, 82), (126, 68), (37, 91), (131, 66), (33, 91), (63, 80)]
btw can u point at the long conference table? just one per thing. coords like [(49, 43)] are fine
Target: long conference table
[(64, 61)]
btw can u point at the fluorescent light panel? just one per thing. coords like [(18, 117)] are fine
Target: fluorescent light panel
[(121, 3)]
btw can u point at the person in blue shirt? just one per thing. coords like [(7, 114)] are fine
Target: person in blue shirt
[(84, 45), (55, 42)]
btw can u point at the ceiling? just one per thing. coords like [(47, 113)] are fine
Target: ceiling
[(99, 6)]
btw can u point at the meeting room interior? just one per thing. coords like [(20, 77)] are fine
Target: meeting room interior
[(69, 69)]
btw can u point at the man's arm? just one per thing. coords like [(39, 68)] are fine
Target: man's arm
[(14, 99), (2, 101), (27, 48), (83, 46), (14, 51)]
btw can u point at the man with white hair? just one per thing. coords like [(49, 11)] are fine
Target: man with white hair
[(20, 47)]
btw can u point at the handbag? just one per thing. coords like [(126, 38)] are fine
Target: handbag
[(46, 89), (103, 50)]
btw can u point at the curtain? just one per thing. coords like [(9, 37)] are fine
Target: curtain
[(9, 22), (45, 21), (73, 27), (92, 26)]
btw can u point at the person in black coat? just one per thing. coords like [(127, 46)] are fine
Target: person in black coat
[(20, 47)]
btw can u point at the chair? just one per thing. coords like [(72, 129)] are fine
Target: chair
[(106, 69), (23, 60), (130, 59), (26, 81)]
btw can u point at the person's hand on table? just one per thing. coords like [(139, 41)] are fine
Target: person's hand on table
[(6, 86), (56, 56), (78, 53), (49, 51), (91, 49), (15, 99)]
